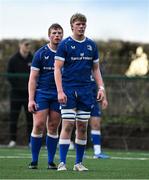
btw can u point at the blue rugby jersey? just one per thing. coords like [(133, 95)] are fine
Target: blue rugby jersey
[(78, 57), (43, 62)]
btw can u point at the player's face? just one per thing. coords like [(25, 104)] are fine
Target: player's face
[(78, 28), (56, 36)]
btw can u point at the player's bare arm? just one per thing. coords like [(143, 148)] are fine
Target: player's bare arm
[(99, 82), (32, 107), (62, 98), (104, 102)]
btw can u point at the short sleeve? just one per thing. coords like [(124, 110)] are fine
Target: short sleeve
[(61, 52)]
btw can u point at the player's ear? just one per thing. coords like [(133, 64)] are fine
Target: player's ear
[(49, 37), (71, 27)]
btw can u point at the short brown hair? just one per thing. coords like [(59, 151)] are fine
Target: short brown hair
[(54, 26), (77, 17), (25, 41)]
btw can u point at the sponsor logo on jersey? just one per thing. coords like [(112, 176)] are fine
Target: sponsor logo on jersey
[(46, 57), (73, 47), (81, 58), (48, 68), (89, 47)]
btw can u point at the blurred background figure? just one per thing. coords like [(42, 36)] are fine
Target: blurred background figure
[(19, 63), (140, 65), (95, 124), (95, 121)]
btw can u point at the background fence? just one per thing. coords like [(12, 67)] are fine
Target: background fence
[(125, 123)]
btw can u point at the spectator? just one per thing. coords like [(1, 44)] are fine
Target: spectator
[(140, 65), (19, 63), (95, 123)]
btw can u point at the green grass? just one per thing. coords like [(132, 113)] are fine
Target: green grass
[(122, 165)]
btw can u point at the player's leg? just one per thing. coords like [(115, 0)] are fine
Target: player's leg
[(95, 134), (39, 121), (81, 139), (68, 119), (68, 114), (94, 122), (84, 104), (53, 123), (72, 145), (95, 126)]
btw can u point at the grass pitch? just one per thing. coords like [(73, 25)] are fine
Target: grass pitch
[(122, 165)]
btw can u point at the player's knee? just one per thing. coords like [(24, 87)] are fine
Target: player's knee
[(37, 131), (82, 128), (68, 128), (39, 127), (95, 126), (52, 127)]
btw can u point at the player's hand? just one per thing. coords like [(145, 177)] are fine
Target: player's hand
[(62, 98), (32, 106), (104, 103), (100, 95)]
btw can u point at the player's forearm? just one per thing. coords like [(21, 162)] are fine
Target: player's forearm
[(31, 89), (58, 79), (98, 78)]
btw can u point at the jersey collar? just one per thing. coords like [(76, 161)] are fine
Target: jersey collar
[(51, 48), (78, 40)]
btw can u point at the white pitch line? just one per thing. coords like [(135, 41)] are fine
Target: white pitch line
[(130, 158), (28, 156), (14, 157)]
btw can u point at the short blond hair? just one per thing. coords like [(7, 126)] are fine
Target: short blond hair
[(77, 17)]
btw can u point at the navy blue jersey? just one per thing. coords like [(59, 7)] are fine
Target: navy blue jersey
[(43, 62), (78, 57)]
